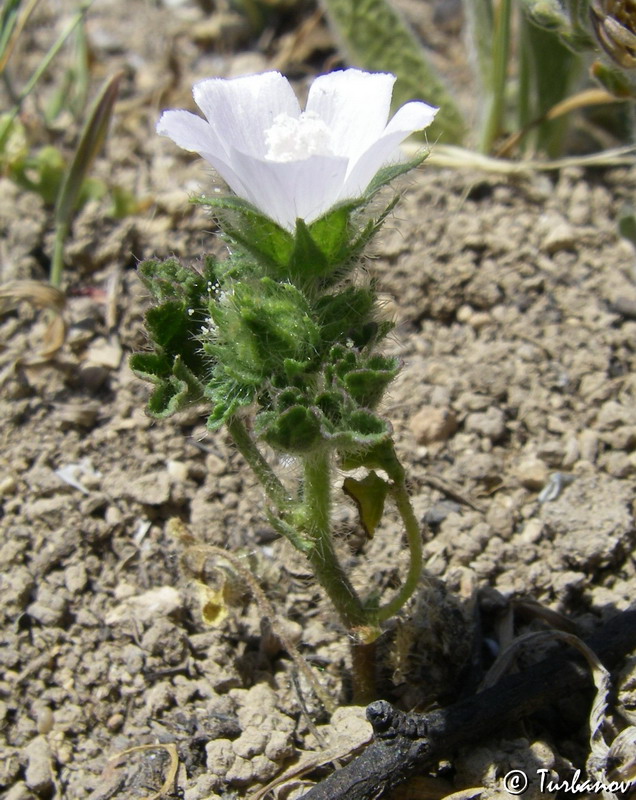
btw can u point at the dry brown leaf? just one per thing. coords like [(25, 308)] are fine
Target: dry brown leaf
[(43, 297)]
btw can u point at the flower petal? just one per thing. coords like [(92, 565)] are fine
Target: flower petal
[(190, 132), (240, 110), (414, 116), (355, 106), (196, 135), (285, 191)]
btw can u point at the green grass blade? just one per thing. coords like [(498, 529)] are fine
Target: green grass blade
[(480, 29), (90, 143), (375, 37), (41, 69), (495, 89), (547, 72)]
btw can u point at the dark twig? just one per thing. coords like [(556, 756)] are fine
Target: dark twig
[(406, 744)]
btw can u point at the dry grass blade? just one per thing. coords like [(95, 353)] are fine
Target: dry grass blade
[(584, 99), (169, 782), (18, 27), (355, 733), (37, 293), (598, 759), (199, 552), (43, 297), (622, 756), (443, 155)]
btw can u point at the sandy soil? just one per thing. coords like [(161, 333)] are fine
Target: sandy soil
[(516, 310)]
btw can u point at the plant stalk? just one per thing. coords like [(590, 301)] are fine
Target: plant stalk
[(322, 556), (414, 540), (329, 572), (274, 489)]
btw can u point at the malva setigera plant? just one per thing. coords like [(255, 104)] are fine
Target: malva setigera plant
[(282, 338)]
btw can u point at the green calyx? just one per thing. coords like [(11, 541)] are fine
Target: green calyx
[(319, 253)]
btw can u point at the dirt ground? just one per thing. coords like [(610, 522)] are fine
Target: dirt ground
[(516, 309)]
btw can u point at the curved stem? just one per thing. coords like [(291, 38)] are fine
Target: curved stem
[(414, 540), (274, 489)]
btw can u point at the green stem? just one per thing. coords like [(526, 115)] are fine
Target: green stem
[(315, 540), (322, 556), (414, 540), (330, 574), (274, 489), (57, 263)]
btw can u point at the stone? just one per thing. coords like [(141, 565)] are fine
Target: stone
[(532, 473), (39, 769), (432, 424), (491, 423)]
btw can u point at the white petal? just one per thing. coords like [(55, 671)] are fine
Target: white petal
[(414, 116), (196, 135), (355, 105), (411, 117), (190, 132), (240, 110), (285, 191)]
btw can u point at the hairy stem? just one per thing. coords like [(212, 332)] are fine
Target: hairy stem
[(274, 489), (330, 574), (414, 541), (322, 556)]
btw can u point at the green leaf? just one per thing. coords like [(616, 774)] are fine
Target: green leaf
[(366, 386), (371, 228), (226, 397), (332, 233), (369, 495), (362, 432), (90, 143), (344, 313), (251, 230), (377, 454), (150, 366), (375, 37)]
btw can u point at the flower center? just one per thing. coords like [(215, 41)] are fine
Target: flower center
[(296, 138)]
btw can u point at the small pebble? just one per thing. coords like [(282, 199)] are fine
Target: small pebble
[(432, 424), (39, 771), (532, 473)]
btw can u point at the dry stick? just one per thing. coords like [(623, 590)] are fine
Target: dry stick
[(406, 744)]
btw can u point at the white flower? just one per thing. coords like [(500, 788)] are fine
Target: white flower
[(291, 163)]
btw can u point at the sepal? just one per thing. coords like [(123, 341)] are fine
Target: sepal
[(244, 225), (388, 174)]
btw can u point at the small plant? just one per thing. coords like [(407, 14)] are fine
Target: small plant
[(63, 186), (282, 340)]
